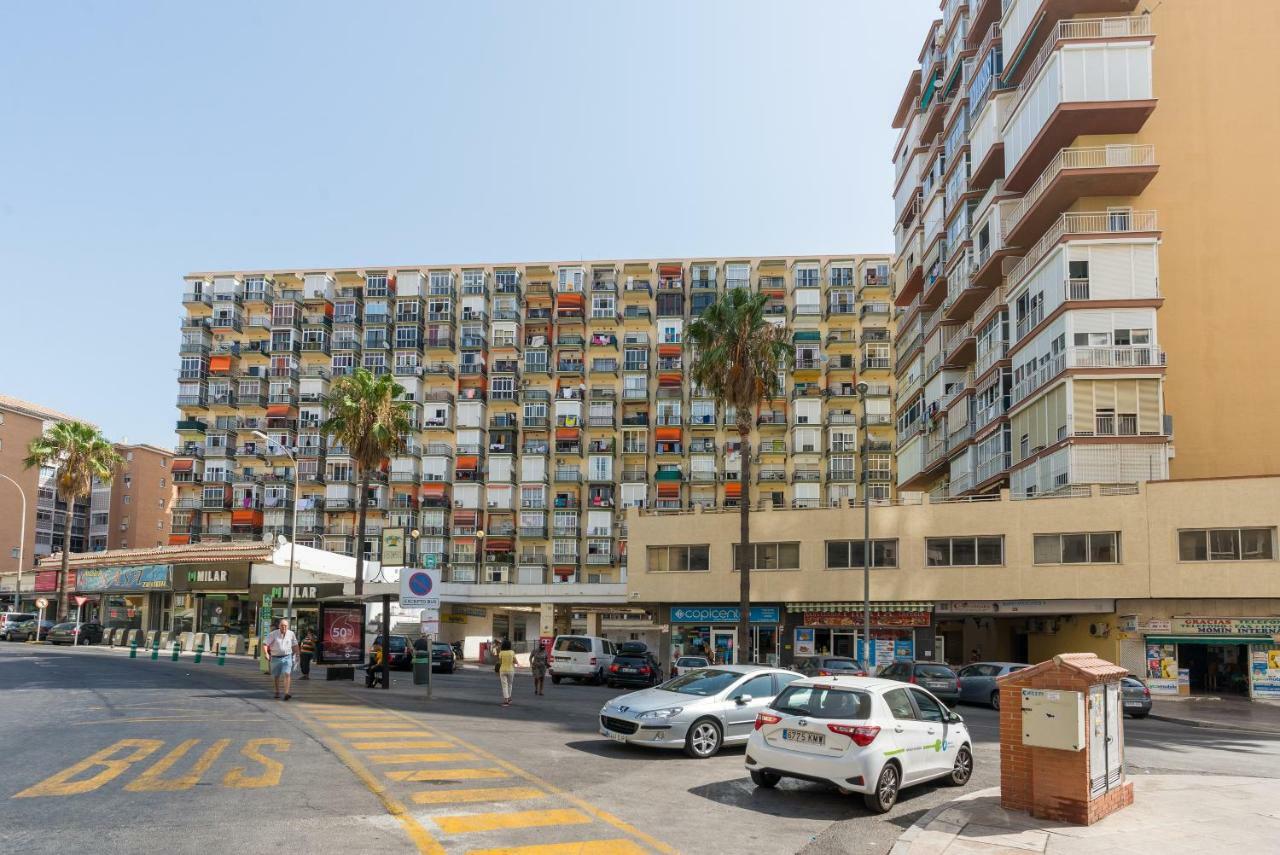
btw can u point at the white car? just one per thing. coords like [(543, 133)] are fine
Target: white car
[(861, 735), (585, 658)]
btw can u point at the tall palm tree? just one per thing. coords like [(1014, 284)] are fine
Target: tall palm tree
[(80, 453), (366, 415), (737, 357)]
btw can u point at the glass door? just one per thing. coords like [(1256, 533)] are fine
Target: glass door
[(722, 641), (765, 643)]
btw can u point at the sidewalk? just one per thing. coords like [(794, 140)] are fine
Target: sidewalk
[(1222, 713), (1171, 814)]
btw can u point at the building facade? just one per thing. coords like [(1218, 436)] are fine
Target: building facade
[(546, 399), (1177, 580), (1049, 208), (141, 496)]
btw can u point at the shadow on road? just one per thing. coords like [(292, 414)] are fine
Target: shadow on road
[(804, 800)]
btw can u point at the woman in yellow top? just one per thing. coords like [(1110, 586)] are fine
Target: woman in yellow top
[(506, 670)]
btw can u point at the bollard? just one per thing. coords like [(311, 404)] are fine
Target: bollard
[(155, 649), (133, 649), (176, 648), (199, 652), (222, 655)]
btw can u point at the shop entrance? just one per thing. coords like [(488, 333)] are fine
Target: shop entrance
[(844, 644), (722, 644), (1216, 669), (764, 639)]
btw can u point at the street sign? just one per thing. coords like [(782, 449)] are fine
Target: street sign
[(42, 603), (430, 627), (430, 560), (419, 589), (80, 601)]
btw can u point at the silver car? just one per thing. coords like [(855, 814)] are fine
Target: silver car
[(978, 681), (699, 711)]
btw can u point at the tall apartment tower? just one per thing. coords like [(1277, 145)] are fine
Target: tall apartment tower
[(546, 399), (1048, 210)]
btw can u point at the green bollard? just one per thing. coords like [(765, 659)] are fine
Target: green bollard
[(222, 655), (176, 648), (155, 649), (133, 649), (199, 652)]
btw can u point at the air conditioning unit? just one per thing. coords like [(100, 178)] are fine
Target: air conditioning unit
[(1099, 630), (493, 504)]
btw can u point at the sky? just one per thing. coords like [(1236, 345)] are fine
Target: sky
[(140, 141)]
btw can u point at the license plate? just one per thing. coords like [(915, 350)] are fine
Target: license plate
[(804, 736), (938, 686), (627, 670), (1133, 703), (616, 737)]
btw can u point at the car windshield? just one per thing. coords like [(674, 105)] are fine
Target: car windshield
[(569, 644), (823, 702), (935, 671), (704, 682), (841, 665), (691, 661)]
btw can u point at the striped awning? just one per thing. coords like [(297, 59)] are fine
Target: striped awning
[(853, 607)]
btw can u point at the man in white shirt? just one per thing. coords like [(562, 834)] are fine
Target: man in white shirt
[(281, 650)]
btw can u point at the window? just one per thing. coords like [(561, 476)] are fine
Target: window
[(930, 710), (964, 551), (679, 558), (1226, 544), (771, 556), (127, 499), (848, 554), (899, 704), (1099, 547), (757, 687)]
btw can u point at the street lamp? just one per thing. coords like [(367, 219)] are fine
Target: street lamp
[(22, 540), (866, 530), (293, 531)]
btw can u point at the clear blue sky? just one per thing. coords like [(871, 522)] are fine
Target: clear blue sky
[(143, 140)]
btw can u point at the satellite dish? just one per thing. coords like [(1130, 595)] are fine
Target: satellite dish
[(281, 539)]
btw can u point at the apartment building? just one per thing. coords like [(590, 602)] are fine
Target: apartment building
[(547, 397), (1049, 209), (140, 499)]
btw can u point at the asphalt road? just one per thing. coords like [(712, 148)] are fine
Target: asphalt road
[(344, 768)]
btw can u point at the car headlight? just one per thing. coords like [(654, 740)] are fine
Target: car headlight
[(669, 712)]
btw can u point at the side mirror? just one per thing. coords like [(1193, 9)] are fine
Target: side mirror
[(954, 718), (743, 699)]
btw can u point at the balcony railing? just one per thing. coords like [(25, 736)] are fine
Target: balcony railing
[(1081, 222), (1123, 356), (1084, 157), (988, 469)]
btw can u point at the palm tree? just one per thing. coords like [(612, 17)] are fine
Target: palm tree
[(366, 415), (737, 357), (80, 454)]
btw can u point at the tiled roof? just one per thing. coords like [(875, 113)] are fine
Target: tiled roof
[(8, 402), (191, 553), (1088, 664)]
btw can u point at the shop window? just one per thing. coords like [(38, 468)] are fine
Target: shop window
[(1099, 547), (677, 559), (848, 554), (964, 551), (771, 556), (1226, 544)]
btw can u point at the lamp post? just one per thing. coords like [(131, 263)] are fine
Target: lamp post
[(22, 540), (293, 531), (866, 531)]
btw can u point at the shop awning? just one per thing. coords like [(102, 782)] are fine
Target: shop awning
[(183, 465), (430, 491), (849, 607), (670, 350), (1208, 639)]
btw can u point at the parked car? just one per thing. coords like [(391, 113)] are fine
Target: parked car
[(401, 654), (581, 657), (442, 658), (688, 663), (861, 735), (978, 681), (29, 631), (68, 633), (828, 666), (633, 668), (699, 711), (934, 676), (9, 623), (1135, 697)]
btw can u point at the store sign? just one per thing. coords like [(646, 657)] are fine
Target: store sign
[(921, 617), (1259, 626), (724, 614), (212, 578), (143, 577), (453, 618), (472, 611), (1023, 607), (300, 592)]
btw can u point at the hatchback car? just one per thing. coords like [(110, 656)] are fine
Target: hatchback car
[(631, 668), (442, 657), (33, 630), (1135, 697), (978, 681), (860, 735), (934, 676), (75, 633), (688, 663), (829, 666), (700, 711), (9, 623)]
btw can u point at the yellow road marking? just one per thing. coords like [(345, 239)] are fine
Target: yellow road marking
[(62, 784), (517, 819), (270, 775), (446, 757), (444, 774), (387, 746), (151, 781), (618, 846), (474, 794), (175, 718), (381, 734)]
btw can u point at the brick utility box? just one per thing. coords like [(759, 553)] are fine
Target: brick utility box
[(1062, 740)]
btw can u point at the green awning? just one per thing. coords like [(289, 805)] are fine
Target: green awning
[(667, 475), (929, 90), (1208, 639), (808, 335)]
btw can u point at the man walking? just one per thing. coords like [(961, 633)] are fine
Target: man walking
[(281, 648)]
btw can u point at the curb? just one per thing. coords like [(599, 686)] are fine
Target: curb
[(902, 846), (1270, 730)]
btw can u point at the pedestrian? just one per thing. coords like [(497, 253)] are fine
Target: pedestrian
[(506, 668), (373, 672), (282, 650), (538, 665), (308, 648)]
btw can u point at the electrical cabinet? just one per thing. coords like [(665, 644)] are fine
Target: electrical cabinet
[(1053, 719)]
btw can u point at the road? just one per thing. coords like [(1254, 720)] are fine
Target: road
[(105, 753)]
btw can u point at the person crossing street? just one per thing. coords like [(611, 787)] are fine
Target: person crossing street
[(308, 648), (281, 649)]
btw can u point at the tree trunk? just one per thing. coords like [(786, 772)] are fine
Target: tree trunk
[(363, 512), (744, 551), (66, 558)]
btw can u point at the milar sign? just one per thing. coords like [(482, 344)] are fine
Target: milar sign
[(218, 577)]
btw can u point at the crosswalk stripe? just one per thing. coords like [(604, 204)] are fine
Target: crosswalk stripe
[(475, 794), (616, 846), (445, 757), (445, 774), (382, 734), (465, 823), (387, 746)]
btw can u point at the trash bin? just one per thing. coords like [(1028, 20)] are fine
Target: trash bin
[(421, 669)]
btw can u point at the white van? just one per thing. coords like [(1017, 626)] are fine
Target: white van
[(581, 657)]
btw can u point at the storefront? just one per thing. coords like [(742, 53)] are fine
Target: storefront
[(712, 631), (898, 630), (306, 601), (134, 597), (213, 599), (1020, 630), (1221, 656)]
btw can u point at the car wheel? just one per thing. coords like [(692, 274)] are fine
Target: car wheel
[(962, 771), (767, 780), (885, 795), (555, 681), (995, 700), (703, 740)]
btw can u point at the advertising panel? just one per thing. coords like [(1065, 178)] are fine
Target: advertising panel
[(393, 547), (1254, 626), (341, 634), (147, 577), (1264, 671), (805, 641), (723, 614)]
